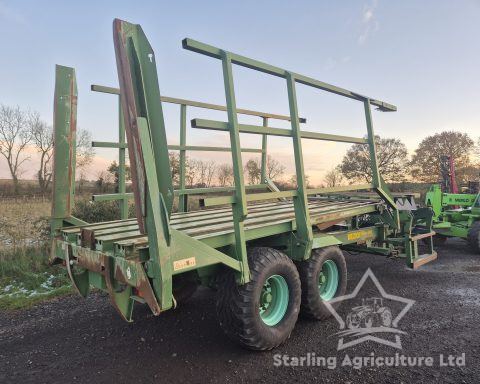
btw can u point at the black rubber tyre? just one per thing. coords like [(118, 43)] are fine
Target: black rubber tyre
[(438, 240), (473, 237), (313, 306), (238, 306)]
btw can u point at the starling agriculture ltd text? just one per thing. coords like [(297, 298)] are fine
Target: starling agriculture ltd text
[(359, 362)]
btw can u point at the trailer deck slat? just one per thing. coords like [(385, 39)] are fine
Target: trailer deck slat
[(209, 223)]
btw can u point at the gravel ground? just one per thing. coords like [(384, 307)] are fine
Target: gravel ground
[(77, 340)]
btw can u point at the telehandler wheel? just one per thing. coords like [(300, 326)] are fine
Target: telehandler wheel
[(261, 314), (473, 237), (323, 277)]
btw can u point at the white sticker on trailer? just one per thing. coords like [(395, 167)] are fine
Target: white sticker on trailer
[(184, 263)]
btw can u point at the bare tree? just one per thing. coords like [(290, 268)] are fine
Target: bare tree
[(85, 151), (175, 166), (274, 169), (205, 172), (14, 138), (333, 177), (42, 138), (225, 175), (200, 173), (191, 167)]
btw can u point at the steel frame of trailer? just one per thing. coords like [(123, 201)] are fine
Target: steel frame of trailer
[(136, 260)]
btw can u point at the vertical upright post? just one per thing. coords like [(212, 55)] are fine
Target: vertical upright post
[(64, 158), (263, 167), (380, 186), (371, 144), (239, 208), (182, 198), (148, 151), (121, 163), (302, 215)]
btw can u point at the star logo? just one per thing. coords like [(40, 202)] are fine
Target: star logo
[(373, 317)]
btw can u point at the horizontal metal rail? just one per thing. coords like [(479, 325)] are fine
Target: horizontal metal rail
[(221, 200), (194, 148), (112, 196), (247, 128), (196, 46), (197, 148), (178, 192), (198, 104), (199, 191), (183, 192)]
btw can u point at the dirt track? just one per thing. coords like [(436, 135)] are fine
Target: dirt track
[(76, 340)]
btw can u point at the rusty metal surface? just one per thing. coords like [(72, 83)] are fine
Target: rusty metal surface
[(102, 264), (109, 284), (142, 285), (87, 238), (79, 281), (127, 98)]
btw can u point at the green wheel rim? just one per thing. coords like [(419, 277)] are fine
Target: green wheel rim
[(273, 300), (328, 280)]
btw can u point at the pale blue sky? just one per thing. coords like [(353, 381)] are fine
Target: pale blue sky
[(423, 56)]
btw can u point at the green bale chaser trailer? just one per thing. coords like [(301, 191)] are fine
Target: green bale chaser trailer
[(455, 215), (270, 254)]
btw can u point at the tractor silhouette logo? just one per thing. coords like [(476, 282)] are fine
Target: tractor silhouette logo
[(375, 316), (370, 313)]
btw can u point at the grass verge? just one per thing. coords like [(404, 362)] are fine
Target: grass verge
[(27, 279)]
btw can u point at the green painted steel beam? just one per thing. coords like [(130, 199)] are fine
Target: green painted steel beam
[(239, 207), (263, 161), (113, 196), (199, 191), (348, 236), (122, 172), (372, 145), (343, 188), (208, 50), (199, 104), (183, 199), (148, 151), (196, 148), (300, 201), (221, 200), (64, 160), (105, 89), (262, 130), (108, 144)]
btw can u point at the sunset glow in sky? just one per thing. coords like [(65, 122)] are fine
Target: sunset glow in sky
[(422, 56)]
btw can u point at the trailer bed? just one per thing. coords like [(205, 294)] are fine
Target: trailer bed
[(215, 226)]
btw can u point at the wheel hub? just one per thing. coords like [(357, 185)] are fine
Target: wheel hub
[(273, 300), (328, 280)]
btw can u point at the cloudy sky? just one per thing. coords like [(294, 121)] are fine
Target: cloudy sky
[(422, 56)]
